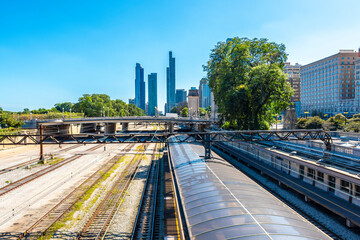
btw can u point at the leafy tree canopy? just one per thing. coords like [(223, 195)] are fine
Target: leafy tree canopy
[(184, 112), (247, 79)]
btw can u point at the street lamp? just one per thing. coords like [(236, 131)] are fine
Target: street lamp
[(63, 112), (70, 112), (306, 113)]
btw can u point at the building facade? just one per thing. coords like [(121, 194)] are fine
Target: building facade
[(328, 85), (139, 87), (180, 96), (193, 102), (204, 94), (152, 93), (293, 73), (132, 101), (170, 84)]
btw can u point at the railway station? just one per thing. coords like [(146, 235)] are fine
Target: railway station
[(154, 180)]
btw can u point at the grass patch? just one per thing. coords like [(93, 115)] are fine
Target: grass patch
[(55, 160)]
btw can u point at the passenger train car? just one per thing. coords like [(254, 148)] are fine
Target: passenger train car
[(220, 202)]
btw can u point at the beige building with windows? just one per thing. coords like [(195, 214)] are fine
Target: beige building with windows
[(328, 85), (193, 102), (293, 72)]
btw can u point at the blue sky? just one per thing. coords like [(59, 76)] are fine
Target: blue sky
[(55, 51)]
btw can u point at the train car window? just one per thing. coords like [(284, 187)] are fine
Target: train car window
[(357, 191), (344, 186), (302, 171), (311, 173), (320, 176), (331, 183)]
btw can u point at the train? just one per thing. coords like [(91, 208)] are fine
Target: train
[(220, 202)]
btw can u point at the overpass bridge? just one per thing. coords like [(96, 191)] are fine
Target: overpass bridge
[(110, 125)]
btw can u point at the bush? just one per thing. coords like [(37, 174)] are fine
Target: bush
[(314, 123), (301, 123), (353, 126)]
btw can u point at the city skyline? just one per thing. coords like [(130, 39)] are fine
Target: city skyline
[(70, 49)]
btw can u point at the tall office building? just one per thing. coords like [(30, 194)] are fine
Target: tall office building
[(139, 87), (293, 72), (132, 101), (328, 85), (152, 93), (204, 94), (180, 96), (170, 84)]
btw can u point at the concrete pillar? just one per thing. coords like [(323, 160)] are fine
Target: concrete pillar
[(171, 127), (125, 126), (110, 128)]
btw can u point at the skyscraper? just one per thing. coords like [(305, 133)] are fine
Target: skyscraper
[(170, 84), (139, 87), (152, 93), (204, 93), (180, 96)]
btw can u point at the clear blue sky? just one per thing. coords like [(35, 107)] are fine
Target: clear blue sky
[(55, 51)]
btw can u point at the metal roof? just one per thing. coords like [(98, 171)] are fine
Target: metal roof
[(220, 202)]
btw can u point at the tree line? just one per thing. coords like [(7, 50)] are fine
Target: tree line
[(89, 105)]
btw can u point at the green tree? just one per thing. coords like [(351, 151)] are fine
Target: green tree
[(248, 82), (184, 112), (7, 120), (66, 106), (202, 112), (1, 110)]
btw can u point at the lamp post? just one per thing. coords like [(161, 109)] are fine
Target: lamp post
[(70, 112), (306, 113), (63, 113)]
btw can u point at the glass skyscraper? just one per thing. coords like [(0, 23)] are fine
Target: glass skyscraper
[(139, 87), (205, 94), (152, 93), (170, 84)]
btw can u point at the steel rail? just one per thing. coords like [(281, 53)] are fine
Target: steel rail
[(113, 197), (58, 211), (40, 173), (144, 222)]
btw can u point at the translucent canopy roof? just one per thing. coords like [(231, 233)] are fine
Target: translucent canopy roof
[(220, 202)]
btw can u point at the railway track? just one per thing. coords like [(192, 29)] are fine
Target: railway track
[(145, 219), (101, 218), (41, 226), (40, 173), (26, 163)]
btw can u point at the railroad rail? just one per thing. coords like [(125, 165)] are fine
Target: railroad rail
[(43, 225), (100, 219), (145, 218), (40, 173), (26, 163)]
